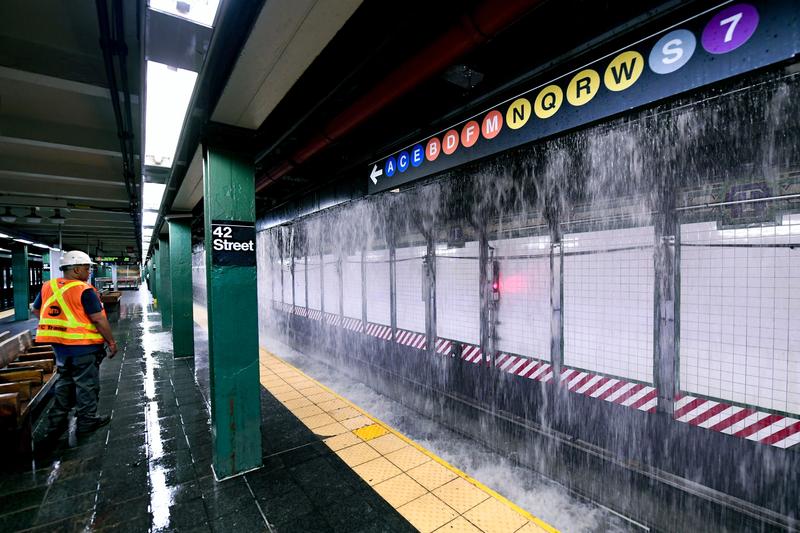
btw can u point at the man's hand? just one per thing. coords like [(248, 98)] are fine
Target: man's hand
[(101, 322)]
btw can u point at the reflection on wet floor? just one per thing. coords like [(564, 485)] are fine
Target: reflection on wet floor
[(150, 468)]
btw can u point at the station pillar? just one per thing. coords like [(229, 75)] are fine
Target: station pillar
[(229, 209), (165, 283), (180, 265), (20, 275), (155, 277)]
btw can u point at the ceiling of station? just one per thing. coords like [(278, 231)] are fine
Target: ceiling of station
[(59, 146)]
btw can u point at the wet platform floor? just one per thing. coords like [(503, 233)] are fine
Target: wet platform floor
[(150, 468)]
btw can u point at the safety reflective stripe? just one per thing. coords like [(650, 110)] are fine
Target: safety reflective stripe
[(64, 335), (58, 296), (66, 324)]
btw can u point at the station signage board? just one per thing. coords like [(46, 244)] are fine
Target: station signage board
[(233, 243), (718, 43)]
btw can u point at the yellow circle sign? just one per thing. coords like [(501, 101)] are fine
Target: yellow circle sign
[(583, 86), (548, 101), (518, 113), (624, 70)]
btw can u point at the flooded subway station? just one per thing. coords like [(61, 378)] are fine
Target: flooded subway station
[(485, 266)]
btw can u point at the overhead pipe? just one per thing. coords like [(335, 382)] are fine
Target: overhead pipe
[(110, 46), (472, 29)]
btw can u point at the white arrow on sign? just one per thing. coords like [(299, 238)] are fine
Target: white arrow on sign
[(375, 173)]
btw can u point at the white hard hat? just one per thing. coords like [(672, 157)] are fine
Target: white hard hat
[(76, 257)]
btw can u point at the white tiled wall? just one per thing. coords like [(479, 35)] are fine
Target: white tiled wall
[(740, 333), (331, 284), (608, 302), (457, 294), (313, 279), (287, 282), (524, 307), (300, 282), (378, 290), (408, 280), (351, 283)]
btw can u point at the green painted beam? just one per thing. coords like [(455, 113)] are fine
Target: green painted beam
[(20, 275), (165, 283), (180, 270), (229, 195)]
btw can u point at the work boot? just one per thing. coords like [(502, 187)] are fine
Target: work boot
[(95, 423)]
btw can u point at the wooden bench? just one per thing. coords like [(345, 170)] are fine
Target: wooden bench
[(110, 301), (27, 374)]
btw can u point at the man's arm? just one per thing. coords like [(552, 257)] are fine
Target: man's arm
[(102, 325), (37, 304)]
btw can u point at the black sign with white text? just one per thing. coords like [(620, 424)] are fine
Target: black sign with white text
[(233, 243)]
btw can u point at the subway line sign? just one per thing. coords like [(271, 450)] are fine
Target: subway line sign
[(724, 41)]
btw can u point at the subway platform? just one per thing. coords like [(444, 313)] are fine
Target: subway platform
[(327, 465)]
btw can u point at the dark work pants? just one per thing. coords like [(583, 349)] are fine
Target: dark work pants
[(79, 385)]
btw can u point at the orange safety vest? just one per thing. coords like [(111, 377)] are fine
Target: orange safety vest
[(62, 319)]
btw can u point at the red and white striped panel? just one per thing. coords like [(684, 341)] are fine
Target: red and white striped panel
[(471, 353), (300, 311), (777, 430), (524, 367), (352, 324), (377, 330), (333, 320), (315, 314), (443, 346), (633, 395), (409, 338)]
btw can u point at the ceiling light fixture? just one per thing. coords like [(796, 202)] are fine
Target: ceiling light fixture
[(8, 216), (57, 218), (33, 218), (24, 241)]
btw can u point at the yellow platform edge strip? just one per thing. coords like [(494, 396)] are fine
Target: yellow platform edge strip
[(442, 462)]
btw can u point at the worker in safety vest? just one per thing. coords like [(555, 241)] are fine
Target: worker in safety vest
[(72, 319)]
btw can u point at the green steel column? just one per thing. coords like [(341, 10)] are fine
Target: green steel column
[(165, 280), (156, 276), (229, 195), (20, 275), (180, 270)]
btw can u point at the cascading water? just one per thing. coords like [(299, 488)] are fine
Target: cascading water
[(651, 262)]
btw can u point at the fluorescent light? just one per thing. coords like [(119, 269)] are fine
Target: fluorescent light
[(151, 196), (4, 236), (4, 250), (23, 241), (38, 245), (53, 249), (168, 93), (198, 11)]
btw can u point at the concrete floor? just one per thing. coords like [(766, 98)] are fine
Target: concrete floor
[(150, 468)]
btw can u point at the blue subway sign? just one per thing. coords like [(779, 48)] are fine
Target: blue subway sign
[(727, 40)]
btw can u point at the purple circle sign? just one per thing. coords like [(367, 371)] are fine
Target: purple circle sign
[(730, 28)]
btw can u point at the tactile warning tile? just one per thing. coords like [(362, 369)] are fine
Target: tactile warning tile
[(329, 430), (342, 441), (357, 422), (377, 470), (408, 458), (386, 444), (427, 513), (431, 475), (372, 431), (530, 527), (358, 454), (431, 494), (297, 403), (459, 525), (344, 413), (306, 411), (493, 516), (399, 490), (318, 421), (332, 405), (460, 494)]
